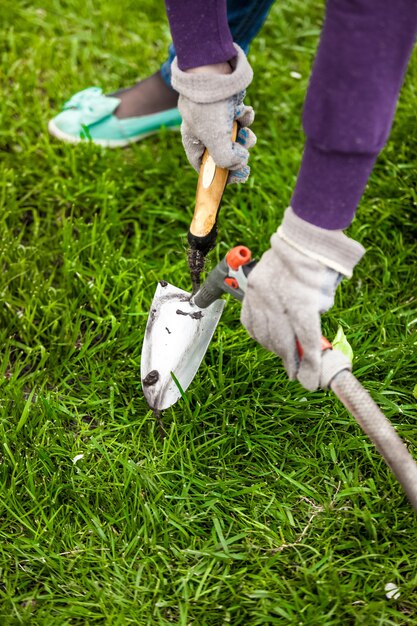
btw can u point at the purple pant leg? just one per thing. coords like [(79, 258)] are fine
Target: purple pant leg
[(362, 57)]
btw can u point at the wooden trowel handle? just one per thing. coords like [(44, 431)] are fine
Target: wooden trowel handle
[(211, 183)]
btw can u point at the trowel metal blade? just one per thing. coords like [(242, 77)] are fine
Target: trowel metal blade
[(177, 336)]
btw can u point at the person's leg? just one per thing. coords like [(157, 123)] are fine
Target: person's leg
[(357, 75), (155, 93), (246, 19), (148, 96), (149, 105)]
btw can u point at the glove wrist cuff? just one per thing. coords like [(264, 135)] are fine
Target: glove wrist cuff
[(330, 247), (208, 88)]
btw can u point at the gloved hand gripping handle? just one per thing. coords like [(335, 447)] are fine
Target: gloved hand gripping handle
[(230, 276)]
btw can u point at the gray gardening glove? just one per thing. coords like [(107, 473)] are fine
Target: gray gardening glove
[(209, 103), (293, 283)]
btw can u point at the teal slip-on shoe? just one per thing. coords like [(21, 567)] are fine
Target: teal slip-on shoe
[(89, 116)]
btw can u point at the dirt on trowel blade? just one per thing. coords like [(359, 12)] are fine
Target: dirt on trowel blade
[(161, 302), (151, 379), (197, 315)]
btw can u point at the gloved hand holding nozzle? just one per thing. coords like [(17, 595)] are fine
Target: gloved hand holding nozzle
[(293, 283)]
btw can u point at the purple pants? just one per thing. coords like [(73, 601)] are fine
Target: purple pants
[(362, 57)]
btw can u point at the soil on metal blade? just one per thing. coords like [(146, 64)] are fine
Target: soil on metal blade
[(151, 378), (196, 261), (198, 315), (160, 423), (158, 304)]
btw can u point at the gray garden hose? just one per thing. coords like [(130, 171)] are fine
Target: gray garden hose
[(380, 431), (336, 375)]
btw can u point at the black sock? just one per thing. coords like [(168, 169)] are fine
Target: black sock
[(147, 96)]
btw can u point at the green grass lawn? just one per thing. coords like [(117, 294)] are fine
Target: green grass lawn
[(265, 504)]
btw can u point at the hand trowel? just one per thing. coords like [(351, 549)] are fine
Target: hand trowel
[(178, 331)]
